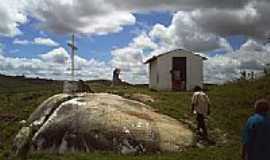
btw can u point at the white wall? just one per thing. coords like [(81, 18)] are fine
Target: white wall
[(196, 72), (153, 75), (163, 65)]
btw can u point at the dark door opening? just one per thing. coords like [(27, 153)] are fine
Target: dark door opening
[(179, 73)]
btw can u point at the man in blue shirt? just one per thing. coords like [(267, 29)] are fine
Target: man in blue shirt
[(256, 135)]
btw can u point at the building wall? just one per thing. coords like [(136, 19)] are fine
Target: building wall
[(164, 66), (164, 73), (196, 72), (153, 76)]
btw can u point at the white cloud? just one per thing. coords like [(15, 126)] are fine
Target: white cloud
[(37, 41), (183, 32), (252, 56), (220, 69), (45, 41), (86, 17), (50, 65), (157, 5), (249, 21), (21, 42), (221, 18), (130, 59), (12, 16), (144, 41), (58, 55), (197, 25)]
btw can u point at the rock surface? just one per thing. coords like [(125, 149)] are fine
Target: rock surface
[(140, 97), (100, 121), (71, 87)]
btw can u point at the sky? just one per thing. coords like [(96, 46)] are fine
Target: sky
[(123, 34)]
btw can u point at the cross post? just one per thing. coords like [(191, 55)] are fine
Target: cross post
[(73, 49)]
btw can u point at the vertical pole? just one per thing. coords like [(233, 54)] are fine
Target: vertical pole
[(72, 56)]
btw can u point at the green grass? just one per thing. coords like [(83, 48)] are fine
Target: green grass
[(231, 105)]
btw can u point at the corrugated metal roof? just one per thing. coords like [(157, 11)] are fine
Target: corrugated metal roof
[(155, 57)]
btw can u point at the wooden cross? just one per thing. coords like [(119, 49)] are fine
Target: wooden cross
[(73, 49)]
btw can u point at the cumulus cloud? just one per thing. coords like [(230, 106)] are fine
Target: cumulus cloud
[(101, 17), (37, 41), (143, 41), (196, 25), (251, 20), (216, 18), (213, 17), (45, 41), (86, 17), (21, 41), (130, 59), (251, 57), (185, 33), (12, 15), (58, 55), (54, 65), (143, 5), (63, 16)]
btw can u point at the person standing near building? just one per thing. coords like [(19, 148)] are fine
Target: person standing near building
[(116, 77), (256, 133), (201, 107)]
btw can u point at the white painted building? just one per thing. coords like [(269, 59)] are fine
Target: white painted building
[(176, 70)]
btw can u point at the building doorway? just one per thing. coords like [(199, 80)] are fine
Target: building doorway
[(179, 73)]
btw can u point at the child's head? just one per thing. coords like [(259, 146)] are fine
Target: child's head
[(262, 106), (197, 89)]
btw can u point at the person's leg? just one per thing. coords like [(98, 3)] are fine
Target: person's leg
[(199, 124), (203, 126)]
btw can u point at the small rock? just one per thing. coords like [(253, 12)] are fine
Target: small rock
[(22, 122)]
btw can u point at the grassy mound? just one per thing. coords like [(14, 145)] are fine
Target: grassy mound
[(231, 105)]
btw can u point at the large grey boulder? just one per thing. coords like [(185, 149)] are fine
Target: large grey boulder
[(100, 121)]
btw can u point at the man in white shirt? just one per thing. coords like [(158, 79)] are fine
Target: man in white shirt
[(200, 107)]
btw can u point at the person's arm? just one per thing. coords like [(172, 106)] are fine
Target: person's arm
[(244, 152), (192, 108), (193, 103), (209, 105), (246, 139)]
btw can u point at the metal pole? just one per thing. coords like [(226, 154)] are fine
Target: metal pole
[(72, 56)]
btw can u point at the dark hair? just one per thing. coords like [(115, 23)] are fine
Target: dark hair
[(197, 88), (262, 106)]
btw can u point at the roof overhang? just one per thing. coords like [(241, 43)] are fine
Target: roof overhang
[(150, 59), (155, 57)]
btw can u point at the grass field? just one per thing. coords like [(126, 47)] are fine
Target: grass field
[(231, 105)]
